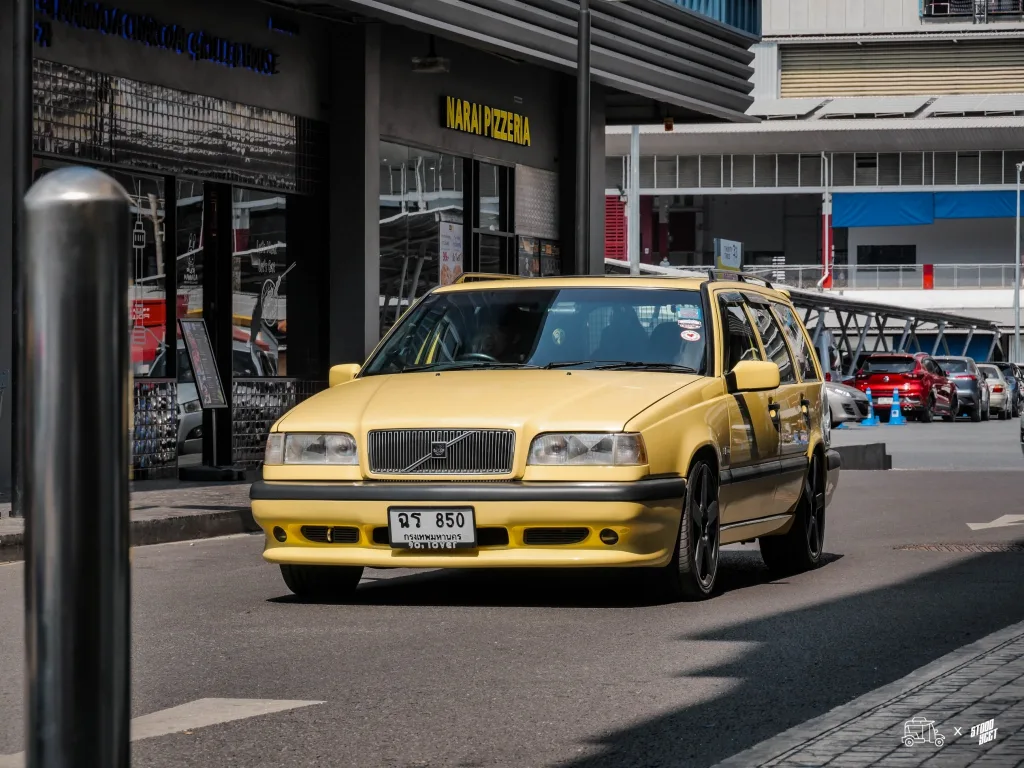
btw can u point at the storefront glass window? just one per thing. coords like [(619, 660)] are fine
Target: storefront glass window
[(494, 241), (188, 243), (260, 268), (421, 236)]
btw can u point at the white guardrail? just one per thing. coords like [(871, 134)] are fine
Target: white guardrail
[(882, 276)]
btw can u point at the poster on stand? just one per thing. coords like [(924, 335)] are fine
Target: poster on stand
[(449, 251)]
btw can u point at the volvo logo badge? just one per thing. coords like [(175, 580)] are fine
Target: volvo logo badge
[(439, 450)]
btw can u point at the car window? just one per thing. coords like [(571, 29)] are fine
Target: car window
[(798, 342), (889, 365), (738, 340), (989, 371), (774, 343), (533, 327), (954, 366), (930, 366)]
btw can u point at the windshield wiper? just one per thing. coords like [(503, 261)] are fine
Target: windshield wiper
[(610, 365), (455, 365), (641, 365)]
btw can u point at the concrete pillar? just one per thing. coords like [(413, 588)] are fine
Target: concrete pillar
[(6, 238), (354, 204)]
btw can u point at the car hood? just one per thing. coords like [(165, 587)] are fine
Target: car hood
[(527, 401)]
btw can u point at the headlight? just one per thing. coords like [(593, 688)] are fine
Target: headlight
[(588, 449), (192, 406), (303, 448), (839, 392)]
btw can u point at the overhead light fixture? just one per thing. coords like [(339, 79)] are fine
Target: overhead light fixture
[(431, 64)]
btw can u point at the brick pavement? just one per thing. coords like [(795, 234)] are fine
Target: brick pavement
[(980, 682)]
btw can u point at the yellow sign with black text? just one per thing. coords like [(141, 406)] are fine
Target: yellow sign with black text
[(494, 123)]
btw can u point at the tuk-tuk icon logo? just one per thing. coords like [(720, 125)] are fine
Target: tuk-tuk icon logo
[(921, 730)]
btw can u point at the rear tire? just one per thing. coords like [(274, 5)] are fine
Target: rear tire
[(928, 414), (322, 581), (976, 413), (690, 574), (986, 414), (883, 417), (801, 547)]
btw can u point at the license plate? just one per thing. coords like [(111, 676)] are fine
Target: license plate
[(884, 401), (431, 528)]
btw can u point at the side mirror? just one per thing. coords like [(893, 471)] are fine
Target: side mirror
[(753, 376), (342, 373)]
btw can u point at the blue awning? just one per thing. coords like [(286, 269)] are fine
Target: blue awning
[(975, 205), (896, 209), (882, 209)]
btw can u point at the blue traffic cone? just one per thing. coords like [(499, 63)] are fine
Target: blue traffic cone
[(896, 418), (871, 420)]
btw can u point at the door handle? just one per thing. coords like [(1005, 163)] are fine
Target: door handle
[(805, 407), (773, 412)]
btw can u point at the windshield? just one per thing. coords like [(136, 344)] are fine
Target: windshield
[(889, 365), (954, 366), (548, 327)]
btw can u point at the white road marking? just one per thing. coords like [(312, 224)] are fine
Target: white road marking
[(999, 522), (196, 714)]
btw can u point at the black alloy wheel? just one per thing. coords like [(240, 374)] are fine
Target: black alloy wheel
[(801, 547), (928, 412), (690, 574)]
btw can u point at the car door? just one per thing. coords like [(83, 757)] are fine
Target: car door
[(938, 384), (750, 468), (793, 402)]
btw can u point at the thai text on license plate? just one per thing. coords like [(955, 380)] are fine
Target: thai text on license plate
[(432, 528)]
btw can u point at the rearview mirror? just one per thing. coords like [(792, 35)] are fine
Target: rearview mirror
[(753, 376), (342, 373)]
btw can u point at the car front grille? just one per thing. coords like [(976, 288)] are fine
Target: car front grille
[(325, 534), (441, 451), (543, 536)]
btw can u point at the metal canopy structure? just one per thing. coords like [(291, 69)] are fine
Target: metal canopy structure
[(863, 327)]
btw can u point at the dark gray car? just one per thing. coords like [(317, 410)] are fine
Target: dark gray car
[(971, 388)]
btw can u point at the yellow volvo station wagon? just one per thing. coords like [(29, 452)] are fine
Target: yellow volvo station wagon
[(634, 422)]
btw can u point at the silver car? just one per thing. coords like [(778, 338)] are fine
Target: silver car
[(846, 403), (1000, 401)]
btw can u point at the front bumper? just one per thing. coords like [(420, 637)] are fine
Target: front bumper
[(644, 514)]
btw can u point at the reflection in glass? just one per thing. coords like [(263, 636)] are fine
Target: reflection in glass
[(421, 234), (491, 252), (490, 197), (260, 266)]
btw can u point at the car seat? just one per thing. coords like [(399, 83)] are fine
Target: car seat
[(624, 338)]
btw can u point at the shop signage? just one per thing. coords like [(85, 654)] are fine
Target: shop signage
[(494, 123), (449, 237), (197, 44), (204, 364), (728, 255)]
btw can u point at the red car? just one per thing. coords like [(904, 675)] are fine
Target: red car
[(924, 389)]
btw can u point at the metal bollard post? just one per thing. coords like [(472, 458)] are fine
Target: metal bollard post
[(75, 448)]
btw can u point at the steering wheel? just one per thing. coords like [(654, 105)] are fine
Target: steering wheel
[(478, 356)]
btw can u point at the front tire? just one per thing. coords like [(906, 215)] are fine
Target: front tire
[(801, 547), (322, 581), (690, 574), (929, 411)]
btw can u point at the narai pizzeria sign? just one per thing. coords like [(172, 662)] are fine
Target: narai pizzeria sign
[(492, 122)]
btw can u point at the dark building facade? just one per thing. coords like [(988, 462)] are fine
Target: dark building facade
[(298, 179)]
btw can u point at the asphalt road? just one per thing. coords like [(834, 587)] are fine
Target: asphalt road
[(961, 445), (555, 669)]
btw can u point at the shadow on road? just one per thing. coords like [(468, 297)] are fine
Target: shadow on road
[(811, 660), (548, 588)]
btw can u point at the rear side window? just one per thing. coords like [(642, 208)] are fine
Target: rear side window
[(890, 365), (990, 373), (794, 331), (955, 366)]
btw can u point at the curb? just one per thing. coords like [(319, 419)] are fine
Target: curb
[(204, 525), (794, 738)]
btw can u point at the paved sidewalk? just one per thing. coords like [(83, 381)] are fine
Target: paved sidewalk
[(981, 682), (162, 512)]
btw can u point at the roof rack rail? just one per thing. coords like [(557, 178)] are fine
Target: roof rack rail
[(478, 277), (742, 277)]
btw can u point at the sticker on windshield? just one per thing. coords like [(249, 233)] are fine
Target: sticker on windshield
[(690, 336), (690, 325), (558, 335), (687, 312)]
